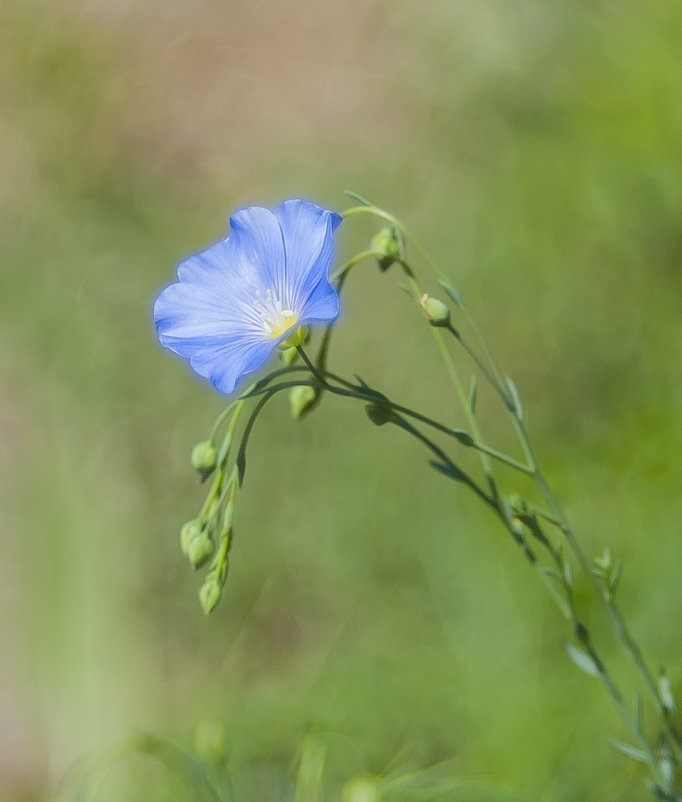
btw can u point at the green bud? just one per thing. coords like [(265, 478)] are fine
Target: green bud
[(189, 532), (517, 504), (199, 550), (298, 337), (204, 458), (301, 400), (228, 515), (362, 788), (604, 562), (288, 356), (387, 244), (210, 741), (209, 595), (379, 414), (517, 527), (436, 311)]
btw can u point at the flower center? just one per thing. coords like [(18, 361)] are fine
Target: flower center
[(276, 320)]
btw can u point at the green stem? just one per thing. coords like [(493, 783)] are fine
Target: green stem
[(443, 457), (497, 385)]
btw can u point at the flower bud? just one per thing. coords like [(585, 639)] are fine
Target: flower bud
[(362, 788), (204, 458), (298, 337), (209, 595), (288, 356), (189, 532), (387, 244), (199, 550), (517, 504), (210, 741), (301, 400), (436, 311), (379, 414)]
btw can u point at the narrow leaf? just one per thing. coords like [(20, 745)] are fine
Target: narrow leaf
[(407, 290), (665, 692), (473, 394), (582, 660), (666, 767), (638, 712), (630, 751), (447, 470), (357, 199), (452, 293), (516, 401), (568, 574), (551, 572), (614, 577), (463, 437)]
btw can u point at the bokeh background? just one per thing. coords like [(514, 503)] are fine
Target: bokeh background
[(373, 609)]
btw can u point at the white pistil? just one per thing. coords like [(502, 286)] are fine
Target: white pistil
[(274, 318)]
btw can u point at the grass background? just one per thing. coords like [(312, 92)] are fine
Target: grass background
[(534, 147)]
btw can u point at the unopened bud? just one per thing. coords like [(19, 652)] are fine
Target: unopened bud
[(298, 337), (388, 247), (436, 311), (363, 788), (204, 458), (189, 532), (379, 414), (288, 356), (199, 550), (210, 742), (209, 595), (517, 504), (228, 515), (301, 400)]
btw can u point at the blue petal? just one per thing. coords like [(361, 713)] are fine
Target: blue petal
[(307, 231), (322, 304), (257, 250), (187, 313), (224, 362)]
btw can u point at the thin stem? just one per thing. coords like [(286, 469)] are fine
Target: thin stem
[(431, 262), (504, 395), (435, 449), (342, 271), (357, 392)]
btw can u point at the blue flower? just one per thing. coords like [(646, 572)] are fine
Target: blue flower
[(236, 301)]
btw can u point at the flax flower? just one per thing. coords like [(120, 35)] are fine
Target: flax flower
[(236, 301)]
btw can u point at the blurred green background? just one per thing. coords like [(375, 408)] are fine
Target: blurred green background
[(372, 606)]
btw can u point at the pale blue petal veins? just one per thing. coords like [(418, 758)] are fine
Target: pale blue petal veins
[(307, 232), (322, 305), (224, 363), (258, 258)]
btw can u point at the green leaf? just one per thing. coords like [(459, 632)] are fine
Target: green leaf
[(448, 470), (582, 660), (638, 712), (463, 437), (515, 399), (665, 692), (630, 751), (357, 199), (452, 293), (614, 577), (473, 395), (568, 574)]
